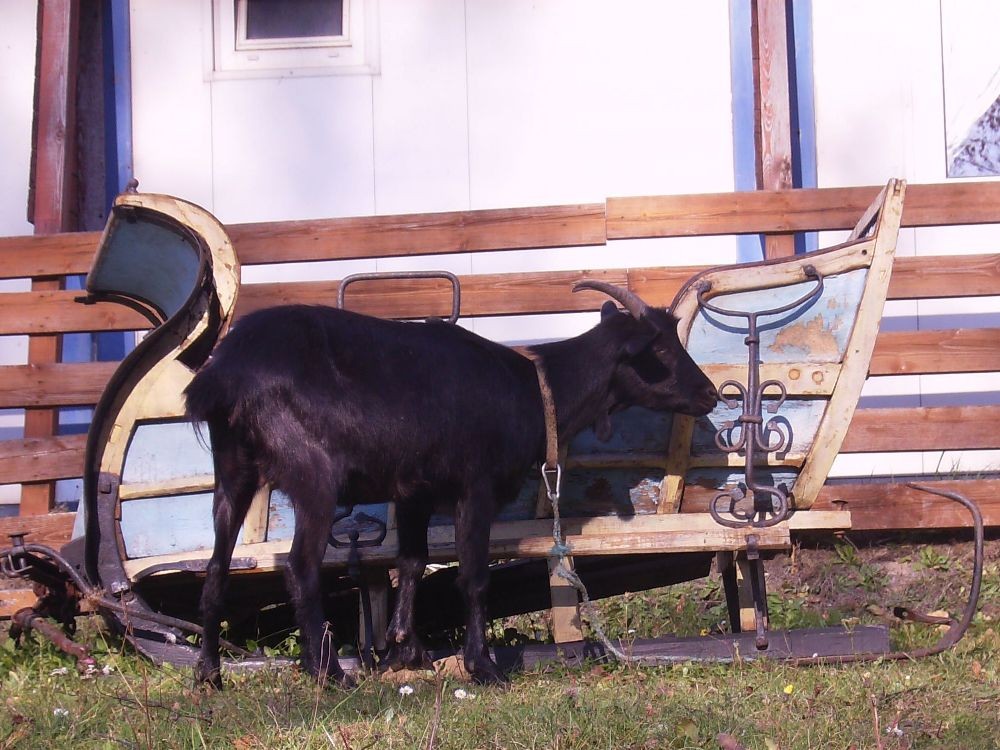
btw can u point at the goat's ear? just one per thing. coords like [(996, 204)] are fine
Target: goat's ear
[(639, 341), (608, 309)]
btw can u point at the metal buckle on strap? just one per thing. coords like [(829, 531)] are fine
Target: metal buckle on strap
[(553, 479)]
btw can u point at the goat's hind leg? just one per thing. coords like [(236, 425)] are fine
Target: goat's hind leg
[(237, 480), (405, 648)]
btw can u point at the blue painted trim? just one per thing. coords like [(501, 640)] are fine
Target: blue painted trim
[(744, 147), (803, 107), (118, 101), (112, 347)]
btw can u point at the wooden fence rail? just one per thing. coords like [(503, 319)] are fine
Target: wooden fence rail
[(882, 504)]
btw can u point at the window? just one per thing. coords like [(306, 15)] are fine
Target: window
[(274, 38)]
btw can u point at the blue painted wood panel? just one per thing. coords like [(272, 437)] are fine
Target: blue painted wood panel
[(165, 525), (634, 430), (815, 333), (797, 418), (148, 261), (166, 450), (281, 516), (725, 478)]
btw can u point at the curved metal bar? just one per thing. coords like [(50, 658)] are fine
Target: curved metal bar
[(958, 629), (25, 553), (456, 293), (810, 272)]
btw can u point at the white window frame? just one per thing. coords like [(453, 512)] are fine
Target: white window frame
[(229, 56)]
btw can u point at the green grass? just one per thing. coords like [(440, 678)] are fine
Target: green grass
[(948, 701)]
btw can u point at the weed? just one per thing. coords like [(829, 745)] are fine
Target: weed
[(930, 559)]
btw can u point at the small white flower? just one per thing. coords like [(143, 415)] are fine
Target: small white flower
[(406, 690), (170, 638), (107, 669), (60, 713), (631, 631), (58, 672), (463, 694)]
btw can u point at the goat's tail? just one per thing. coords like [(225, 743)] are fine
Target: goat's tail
[(207, 401)]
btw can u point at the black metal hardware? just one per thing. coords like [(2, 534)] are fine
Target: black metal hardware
[(354, 526), (770, 504), (456, 292)]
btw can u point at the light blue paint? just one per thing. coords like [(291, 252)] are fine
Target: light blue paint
[(716, 339), (166, 525), (803, 110), (798, 418), (147, 261), (725, 479), (634, 429), (166, 450), (118, 96), (750, 246), (281, 516)]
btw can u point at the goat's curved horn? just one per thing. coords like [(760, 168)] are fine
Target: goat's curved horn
[(629, 300)]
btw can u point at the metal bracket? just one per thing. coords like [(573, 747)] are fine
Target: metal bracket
[(770, 504)]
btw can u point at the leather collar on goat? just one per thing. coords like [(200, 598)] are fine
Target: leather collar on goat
[(549, 407)]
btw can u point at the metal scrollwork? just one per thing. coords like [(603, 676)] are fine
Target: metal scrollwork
[(749, 433)]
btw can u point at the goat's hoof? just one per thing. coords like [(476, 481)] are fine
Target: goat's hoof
[(207, 676), (487, 674), (344, 681), (408, 657)]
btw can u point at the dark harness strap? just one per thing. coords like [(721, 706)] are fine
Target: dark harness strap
[(549, 410)]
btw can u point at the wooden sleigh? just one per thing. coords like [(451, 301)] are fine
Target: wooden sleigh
[(788, 343)]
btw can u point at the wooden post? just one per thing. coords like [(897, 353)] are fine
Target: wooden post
[(773, 128), (566, 625), (53, 194)]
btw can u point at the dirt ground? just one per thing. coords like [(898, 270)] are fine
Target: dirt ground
[(923, 572)]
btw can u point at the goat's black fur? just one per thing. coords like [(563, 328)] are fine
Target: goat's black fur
[(336, 408)]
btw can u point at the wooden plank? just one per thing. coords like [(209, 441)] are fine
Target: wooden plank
[(60, 384), (932, 352), (51, 529), (39, 312), (53, 190), (747, 212), (41, 459), (773, 117), (485, 294), (419, 234), (897, 507), (565, 610), (800, 210), (39, 497), (923, 429), (945, 276)]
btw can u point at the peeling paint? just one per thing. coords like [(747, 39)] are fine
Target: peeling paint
[(812, 337)]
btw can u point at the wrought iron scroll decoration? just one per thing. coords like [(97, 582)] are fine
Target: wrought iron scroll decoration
[(770, 503)]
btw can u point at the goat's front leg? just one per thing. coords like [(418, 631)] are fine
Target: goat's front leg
[(405, 648), (472, 538)]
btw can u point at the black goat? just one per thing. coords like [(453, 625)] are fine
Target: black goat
[(336, 408)]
